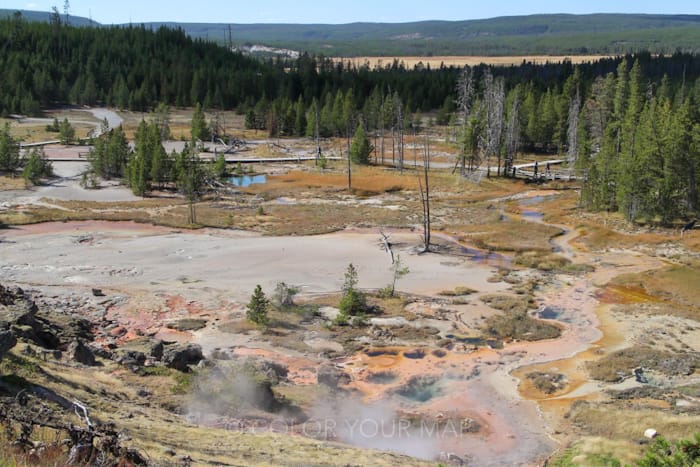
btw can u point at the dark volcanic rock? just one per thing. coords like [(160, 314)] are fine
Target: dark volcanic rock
[(81, 353), (147, 346), (180, 357), (47, 329), (7, 341), (131, 358)]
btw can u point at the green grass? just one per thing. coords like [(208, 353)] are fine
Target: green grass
[(183, 383)]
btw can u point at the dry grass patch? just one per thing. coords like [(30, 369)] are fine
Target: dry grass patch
[(72, 114), (12, 183), (599, 230), (618, 421), (457, 292), (325, 218), (619, 365), (546, 382), (515, 323), (471, 60), (678, 284), (550, 262), (365, 180), (508, 235), (597, 451)]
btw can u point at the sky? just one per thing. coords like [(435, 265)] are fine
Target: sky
[(336, 11)]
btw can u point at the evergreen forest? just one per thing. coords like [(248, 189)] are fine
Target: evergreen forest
[(630, 125)]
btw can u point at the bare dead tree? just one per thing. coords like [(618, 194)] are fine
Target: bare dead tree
[(349, 174), (423, 184), (598, 110), (512, 134), (317, 135), (382, 127), (493, 101), (66, 11), (465, 94), (572, 131), (399, 128)]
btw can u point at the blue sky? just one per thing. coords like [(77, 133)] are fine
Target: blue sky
[(333, 11)]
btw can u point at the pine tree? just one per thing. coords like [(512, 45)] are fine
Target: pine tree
[(628, 163), (66, 132), (37, 166), (9, 151), (256, 310), (353, 302), (299, 118), (360, 148), (200, 130)]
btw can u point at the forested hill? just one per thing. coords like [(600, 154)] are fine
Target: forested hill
[(511, 35)]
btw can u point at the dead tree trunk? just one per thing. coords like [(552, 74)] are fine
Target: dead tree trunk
[(399, 126), (512, 136), (465, 91), (572, 130), (423, 184), (382, 128)]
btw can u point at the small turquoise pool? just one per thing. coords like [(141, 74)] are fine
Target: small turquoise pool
[(247, 180)]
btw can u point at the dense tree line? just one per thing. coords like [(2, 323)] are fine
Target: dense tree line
[(630, 124), (639, 146), (135, 68)]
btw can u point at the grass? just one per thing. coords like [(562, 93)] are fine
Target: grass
[(677, 284), (515, 323), (12, 183), (595, 452), (550, 262), (183, 382), (460, 61), (457, 292), (547, 383), (507, 235), (620, 364), (365, 181), (620, 422)]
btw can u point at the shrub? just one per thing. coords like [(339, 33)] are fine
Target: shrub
[(283, 298)]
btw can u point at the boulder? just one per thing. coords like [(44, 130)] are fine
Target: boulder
[(131, 358), (148, 346), (181, 356), (81, 353), (7, 341)]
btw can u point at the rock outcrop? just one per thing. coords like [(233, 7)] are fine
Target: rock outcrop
[(7, 341), (81, 353), (181, 356)]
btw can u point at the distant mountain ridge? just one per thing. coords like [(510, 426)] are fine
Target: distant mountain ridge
[(550, 34)]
